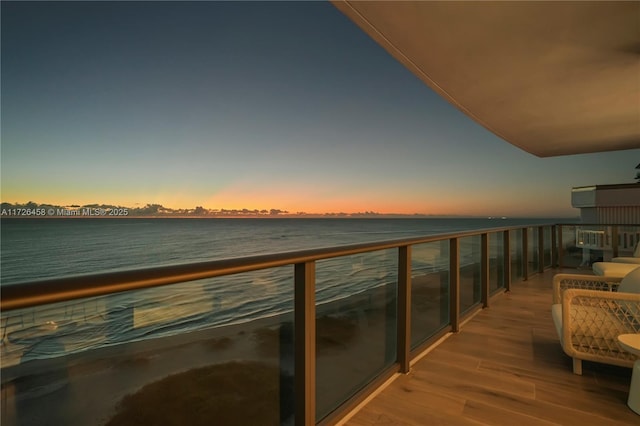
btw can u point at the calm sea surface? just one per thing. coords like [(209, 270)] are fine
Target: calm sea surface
[(45, 248), (33, 249)]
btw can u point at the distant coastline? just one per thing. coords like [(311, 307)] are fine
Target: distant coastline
[(157, 211)]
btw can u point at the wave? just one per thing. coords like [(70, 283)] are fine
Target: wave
[(46, 249)]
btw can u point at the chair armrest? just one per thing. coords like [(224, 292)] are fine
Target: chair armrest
[(563, 282)]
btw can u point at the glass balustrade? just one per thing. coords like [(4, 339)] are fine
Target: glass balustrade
[(470, 272), (356, 311), (516, 254), (496, 262), (201, 348), (429, 290), (532, 251), (548, 247), (228, 345)]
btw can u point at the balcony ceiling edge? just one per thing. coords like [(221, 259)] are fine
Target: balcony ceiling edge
[(550, 78)]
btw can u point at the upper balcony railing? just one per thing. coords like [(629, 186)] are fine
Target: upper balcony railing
[(332, 323), (582, 244)]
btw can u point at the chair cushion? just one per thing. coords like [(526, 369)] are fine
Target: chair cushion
[(626, 260), (631, 282), (614, 270)]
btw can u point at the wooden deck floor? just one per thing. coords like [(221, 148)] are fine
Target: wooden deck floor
[(505, 367)]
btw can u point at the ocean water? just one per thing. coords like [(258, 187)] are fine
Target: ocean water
[(33, 249)]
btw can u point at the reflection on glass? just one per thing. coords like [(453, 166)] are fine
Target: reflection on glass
[(356, 324), (174, 350), (496, 262), (571, 254), (547, 231), (470, 272), (429, 290), (532, 251), (628, 239), (591, 242), (517, 262), (584, 245)]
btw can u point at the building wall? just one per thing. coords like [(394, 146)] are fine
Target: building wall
[(618, 197), (589, 215), (614, 204), (583, 197), (627, 215)]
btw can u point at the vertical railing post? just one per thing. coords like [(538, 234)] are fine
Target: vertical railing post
[(454, 284), (506, 242), (614, 241), (525, 254), (305, 343), (540, 249), (484, 268), (404, 308)]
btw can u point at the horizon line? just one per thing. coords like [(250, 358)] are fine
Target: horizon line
[(47, 210)]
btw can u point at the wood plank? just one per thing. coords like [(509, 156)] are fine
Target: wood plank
[(505, 366), (496, 416), (411, 413), (456, 379)]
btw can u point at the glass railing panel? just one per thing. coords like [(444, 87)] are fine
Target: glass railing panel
[(547, 261), (517, 262), (470, 272), (429, 290), (496, 262), (532, 251), (588, 245), (628, 239), (356, 324), (572, 255), (220, 348)]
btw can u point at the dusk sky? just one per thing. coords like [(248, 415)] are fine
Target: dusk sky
[(250, 105)]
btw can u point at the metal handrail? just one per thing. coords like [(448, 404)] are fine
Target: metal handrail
[(34, 293)]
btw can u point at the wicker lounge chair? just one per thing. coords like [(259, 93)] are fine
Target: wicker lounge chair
[(590, 312)]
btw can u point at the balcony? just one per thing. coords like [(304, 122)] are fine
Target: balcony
[(505, 367), (178, 342)]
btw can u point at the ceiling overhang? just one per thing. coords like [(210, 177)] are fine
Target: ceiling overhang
[(553, 78)]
